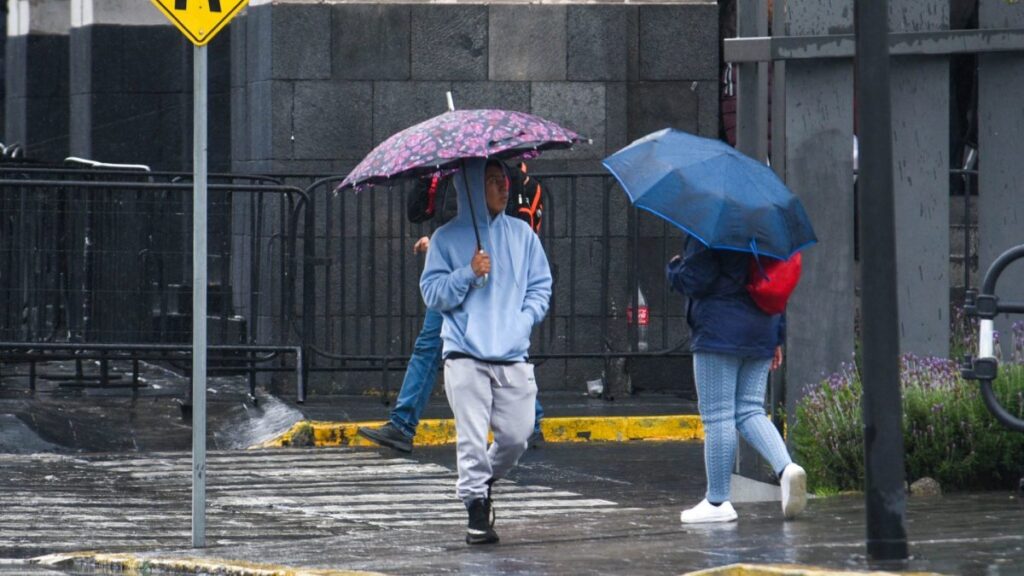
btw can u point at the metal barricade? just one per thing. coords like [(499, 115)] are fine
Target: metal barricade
[(607, 259), (102, 258)]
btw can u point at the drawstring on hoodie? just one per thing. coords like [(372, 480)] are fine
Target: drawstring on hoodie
[(504, 223), (508, 250)]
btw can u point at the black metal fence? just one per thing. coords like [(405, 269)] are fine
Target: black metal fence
[(93, 262), (321, 284), (91, 257), (606, 258)]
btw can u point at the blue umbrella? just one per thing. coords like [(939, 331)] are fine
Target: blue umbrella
[(716, 194)]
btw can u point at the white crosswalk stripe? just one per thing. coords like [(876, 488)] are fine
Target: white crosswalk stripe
[(117, 501)]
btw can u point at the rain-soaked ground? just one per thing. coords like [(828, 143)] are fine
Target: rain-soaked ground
[(569, 508), (63, 416)]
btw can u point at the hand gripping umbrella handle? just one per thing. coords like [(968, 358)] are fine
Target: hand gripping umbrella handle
[(472, 215), (481, 281)]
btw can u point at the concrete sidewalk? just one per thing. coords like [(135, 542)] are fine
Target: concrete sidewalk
[(568, 417), (58, 418), (555, 429)]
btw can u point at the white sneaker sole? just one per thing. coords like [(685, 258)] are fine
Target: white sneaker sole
[(709, 520), (794, 492), (704, 513)]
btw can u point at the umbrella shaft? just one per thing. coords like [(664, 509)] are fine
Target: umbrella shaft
[(472, 212)]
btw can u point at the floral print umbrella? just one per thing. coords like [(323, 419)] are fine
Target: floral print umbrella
[(438, 144)]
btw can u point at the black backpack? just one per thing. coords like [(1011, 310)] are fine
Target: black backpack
[(425, 198), (525, 197)]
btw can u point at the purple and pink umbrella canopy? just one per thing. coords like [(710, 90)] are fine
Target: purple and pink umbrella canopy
[(438, 144)]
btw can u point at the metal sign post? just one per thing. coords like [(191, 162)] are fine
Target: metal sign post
[(199, 21), (884, 494), (199, 301)]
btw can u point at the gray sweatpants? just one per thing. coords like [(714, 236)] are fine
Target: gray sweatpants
[(484, 395)]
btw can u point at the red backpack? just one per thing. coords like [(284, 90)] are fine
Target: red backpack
[(771, 281)]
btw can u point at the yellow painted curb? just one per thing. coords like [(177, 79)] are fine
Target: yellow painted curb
[(132, 565), (567, 429), (791, 570)]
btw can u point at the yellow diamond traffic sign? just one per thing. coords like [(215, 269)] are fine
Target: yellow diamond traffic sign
[(200, 20)]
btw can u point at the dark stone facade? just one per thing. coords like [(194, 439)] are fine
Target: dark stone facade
[(320, 84), (311, 88), (316, 86), (36, 94), (131, 96)]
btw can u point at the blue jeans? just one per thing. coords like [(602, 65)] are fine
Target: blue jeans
[(420, 376)]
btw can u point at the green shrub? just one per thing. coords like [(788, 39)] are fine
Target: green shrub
[(948, 433)]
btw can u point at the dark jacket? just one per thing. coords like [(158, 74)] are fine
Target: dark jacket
[(722, 317)]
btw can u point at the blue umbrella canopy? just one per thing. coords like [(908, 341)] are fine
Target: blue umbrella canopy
[(713, 192)]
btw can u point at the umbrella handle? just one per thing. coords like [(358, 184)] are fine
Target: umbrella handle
[(481, 281), (472, 215)]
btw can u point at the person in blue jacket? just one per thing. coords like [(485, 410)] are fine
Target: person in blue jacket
[(490, 300), (734, 346)]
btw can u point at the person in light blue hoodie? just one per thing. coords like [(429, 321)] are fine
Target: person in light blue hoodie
[(490, 297)]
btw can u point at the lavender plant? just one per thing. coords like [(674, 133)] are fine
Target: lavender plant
[(948, 433), (963, 333), (1017, 357)]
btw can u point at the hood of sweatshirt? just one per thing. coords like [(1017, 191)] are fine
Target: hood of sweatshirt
[(492, 320), (470, 181)]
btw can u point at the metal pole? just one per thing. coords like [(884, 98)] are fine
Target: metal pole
[(752, 140), (777, 148), (752, 85), (883, 436), (199, 302)]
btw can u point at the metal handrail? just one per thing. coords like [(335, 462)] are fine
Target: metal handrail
[(986, 306)]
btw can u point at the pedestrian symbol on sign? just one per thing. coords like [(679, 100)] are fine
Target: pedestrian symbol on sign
[(200, 20), (183, 5)]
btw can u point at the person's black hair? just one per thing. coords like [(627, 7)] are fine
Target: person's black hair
[(496, 162), (500, 164)]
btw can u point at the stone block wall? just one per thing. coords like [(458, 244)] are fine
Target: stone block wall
[(36, 78), (131, 88), (315, 86), (310, 87)]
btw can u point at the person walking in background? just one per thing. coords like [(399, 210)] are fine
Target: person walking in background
[(734, 345), (491, 290), (431, 199)]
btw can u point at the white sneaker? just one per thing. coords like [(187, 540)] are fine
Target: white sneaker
[(705, 512), (794, 491)]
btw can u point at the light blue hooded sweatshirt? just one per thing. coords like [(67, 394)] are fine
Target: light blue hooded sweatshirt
[(493, 322)]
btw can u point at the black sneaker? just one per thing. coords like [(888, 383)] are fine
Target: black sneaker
[(387, 435), (480, 529), (536, 439)]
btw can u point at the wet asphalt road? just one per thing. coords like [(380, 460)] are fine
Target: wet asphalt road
[(569, 509)]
